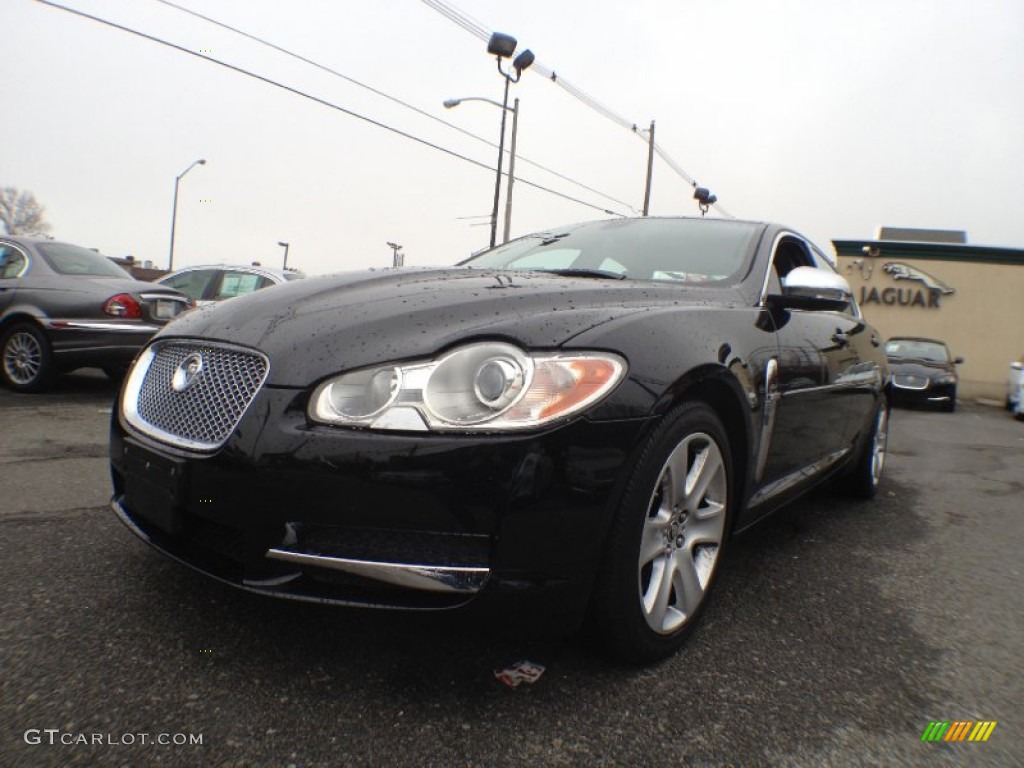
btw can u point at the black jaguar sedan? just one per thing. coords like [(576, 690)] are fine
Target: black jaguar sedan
[(923, 371), (576, 421)]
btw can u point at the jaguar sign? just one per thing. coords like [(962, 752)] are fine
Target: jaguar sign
[(928, 296)]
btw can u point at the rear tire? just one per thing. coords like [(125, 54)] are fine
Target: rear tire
[(667, 539), (26, 359)]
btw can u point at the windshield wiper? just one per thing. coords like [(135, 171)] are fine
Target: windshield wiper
[(546, 238), (568, 272)]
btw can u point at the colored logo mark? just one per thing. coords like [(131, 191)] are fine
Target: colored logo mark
[(959, 730)]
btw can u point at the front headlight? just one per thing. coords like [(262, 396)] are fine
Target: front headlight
[(946, 378), (487, 386)]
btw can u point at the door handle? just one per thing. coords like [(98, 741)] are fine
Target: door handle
[(875, 341), (840, 338)]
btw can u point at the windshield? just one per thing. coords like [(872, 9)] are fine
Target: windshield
[(919, 350), (670, 250), (67, 259)]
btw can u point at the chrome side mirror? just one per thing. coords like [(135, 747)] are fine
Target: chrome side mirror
[(810, 288)]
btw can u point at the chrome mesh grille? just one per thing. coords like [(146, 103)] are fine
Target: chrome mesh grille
[(910, 382), (200, 416)]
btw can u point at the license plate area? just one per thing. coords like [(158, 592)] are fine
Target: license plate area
[(165, 310), (155, 487)]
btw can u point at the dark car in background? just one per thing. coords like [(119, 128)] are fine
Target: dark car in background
[(575, 421), (206, 284), (923, 371), (64, 307)]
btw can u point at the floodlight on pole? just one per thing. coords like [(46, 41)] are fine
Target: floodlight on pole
[(502, 46), (285, 246)]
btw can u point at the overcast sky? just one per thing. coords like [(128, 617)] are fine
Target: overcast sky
[(832, 116)]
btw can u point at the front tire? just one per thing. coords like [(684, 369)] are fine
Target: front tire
[(667, 538), (26, 360), (863, 481)]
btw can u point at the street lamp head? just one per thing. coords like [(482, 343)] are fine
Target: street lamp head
[(449, 103), (501, 45), (201, 161), (283, 245), (523, 60)]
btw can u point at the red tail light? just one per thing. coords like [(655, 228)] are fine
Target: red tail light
[(123, 305)]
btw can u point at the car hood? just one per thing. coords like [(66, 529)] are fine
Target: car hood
[(928, 369), (318, 326)]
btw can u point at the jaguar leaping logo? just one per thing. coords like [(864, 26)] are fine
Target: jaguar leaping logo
[(900, 271), (187, 372)]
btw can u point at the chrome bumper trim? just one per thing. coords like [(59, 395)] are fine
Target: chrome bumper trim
[(100, 325), (429, 578)]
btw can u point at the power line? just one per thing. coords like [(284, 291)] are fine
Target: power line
[(476, 28), (317, 99), (382, 94)]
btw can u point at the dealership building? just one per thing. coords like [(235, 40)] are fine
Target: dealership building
[(932, 283)]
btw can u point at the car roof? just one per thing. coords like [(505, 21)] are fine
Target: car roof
[(33, 239), (239, 267)]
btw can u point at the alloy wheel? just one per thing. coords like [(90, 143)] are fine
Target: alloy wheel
[(23, 357), (879, 444), (683, 533)]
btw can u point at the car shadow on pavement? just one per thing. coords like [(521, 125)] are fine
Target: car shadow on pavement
[(802, 638), (83, 385), (799, 624)]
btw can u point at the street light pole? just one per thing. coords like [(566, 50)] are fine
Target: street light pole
[(397, 259), (285, 265), (449, 104), (511, 170), (174, 210)]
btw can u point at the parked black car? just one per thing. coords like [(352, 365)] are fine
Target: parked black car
[(64, 307), (923, 371), (577, 419)]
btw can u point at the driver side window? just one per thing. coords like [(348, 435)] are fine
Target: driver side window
[(790, 253)]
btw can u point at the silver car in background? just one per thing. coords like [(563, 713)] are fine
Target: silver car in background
[(1015, 389), (209, 283), (63, 307)]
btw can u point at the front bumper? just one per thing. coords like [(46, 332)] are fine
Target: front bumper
[(926, 394), (363, 518)]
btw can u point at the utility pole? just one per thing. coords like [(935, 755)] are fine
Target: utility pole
[(650, 169)]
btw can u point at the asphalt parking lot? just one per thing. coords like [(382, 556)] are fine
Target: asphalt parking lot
[(839, 631)]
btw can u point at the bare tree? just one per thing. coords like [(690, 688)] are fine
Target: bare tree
[(21, 213)]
